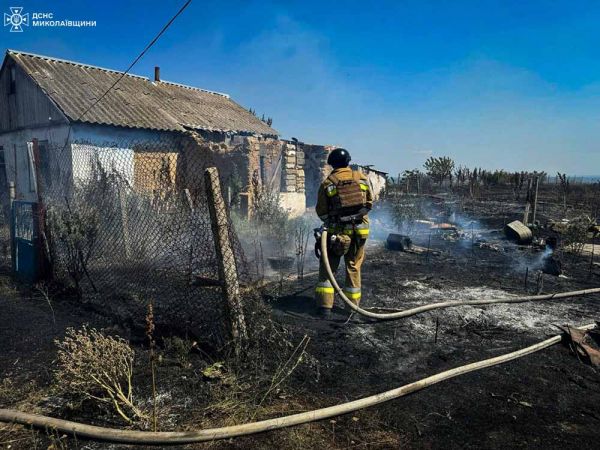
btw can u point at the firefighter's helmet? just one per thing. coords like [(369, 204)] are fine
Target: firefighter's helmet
[(339, 158)]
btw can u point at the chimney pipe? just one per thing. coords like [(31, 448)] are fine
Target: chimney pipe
[(156, 73)]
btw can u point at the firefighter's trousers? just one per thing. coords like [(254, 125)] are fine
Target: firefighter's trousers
[(353, 260)]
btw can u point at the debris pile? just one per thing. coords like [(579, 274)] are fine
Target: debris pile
[(517, 232), (398, 242)]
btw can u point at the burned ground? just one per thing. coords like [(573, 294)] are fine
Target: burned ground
[(545, 400)]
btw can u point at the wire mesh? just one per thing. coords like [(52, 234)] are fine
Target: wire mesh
[(128, 223)]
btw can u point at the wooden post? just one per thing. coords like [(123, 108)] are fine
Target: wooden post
[(35, 162), (225, 259), (39, 213), (15, 171), (526, 214), (12, 192), (528, 203), (535, 198)]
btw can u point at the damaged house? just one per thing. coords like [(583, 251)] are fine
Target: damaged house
[(151, 132)]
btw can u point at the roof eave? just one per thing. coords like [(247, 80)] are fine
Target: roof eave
[(274, 135)]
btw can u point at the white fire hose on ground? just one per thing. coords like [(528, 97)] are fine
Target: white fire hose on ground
[(432, 306), (187, 437)]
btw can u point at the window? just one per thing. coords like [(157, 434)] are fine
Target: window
[(13, 80)]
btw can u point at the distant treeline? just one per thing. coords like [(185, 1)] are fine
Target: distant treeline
[(444, 172)]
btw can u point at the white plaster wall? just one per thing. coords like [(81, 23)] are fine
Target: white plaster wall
[(293, 202), (377, 182), (71, 153), (112, 159), (113, 147)]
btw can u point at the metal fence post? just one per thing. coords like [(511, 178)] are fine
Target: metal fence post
[(125, 221), (225, 259), (39, 212)]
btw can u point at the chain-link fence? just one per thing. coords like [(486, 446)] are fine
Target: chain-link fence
[(128, 223)]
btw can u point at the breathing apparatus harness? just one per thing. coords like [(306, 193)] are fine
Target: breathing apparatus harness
[(347, 205)]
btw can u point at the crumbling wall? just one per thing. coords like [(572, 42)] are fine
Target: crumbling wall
[(293, 184), (245, 160), (292, 176)]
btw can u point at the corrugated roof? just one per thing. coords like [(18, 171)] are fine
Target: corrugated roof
[(135, 101)]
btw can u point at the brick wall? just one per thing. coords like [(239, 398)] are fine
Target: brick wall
[(274, 163)]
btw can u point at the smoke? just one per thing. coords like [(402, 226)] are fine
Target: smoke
[(468, 231), (420, 217)]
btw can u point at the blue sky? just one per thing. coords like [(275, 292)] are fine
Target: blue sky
[(498, 84)]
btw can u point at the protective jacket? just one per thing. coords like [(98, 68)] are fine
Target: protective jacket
[(331, 210), (343, 208)]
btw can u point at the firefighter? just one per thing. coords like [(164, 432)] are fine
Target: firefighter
[(344, 200)]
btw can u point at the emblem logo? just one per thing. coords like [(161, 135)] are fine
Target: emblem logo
[(15, 20)]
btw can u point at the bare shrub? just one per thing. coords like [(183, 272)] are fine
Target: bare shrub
[(77, 231), (266, 208), (301, 236), (565, 188), (576, 233), (95, 366), (80, 221), (405, 210)]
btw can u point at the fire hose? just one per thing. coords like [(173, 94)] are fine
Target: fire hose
[(187, 437), (432, 306)]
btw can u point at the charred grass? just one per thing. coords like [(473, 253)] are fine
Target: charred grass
[(298, 362)]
